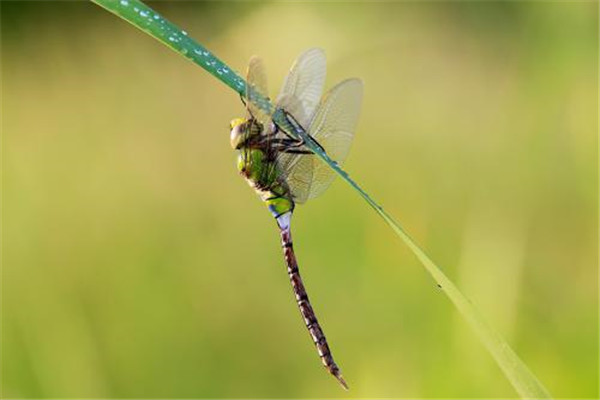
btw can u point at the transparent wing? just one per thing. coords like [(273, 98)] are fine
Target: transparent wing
[(303, 86), (257, 91), (333, 128)]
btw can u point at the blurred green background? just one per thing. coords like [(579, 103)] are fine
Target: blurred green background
[(137, 263)]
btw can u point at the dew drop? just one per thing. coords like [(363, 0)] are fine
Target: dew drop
[(124, 3), (144, 13), (184, 33)]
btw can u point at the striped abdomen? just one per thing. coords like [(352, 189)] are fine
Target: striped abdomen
[(306, 309)]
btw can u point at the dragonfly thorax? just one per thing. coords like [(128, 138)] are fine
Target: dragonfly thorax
[(243, 131), (256, 163)]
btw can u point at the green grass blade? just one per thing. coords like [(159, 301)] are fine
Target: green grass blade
[(148, 20), (516, 371)]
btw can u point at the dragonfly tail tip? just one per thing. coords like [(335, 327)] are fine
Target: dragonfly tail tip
[(342, 382)]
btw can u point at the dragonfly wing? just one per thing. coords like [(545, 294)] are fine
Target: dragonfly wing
[(333, 127), (299, 176), (303, 86), (295, 168), (257, 91)]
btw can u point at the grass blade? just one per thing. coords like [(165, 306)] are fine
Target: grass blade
[(148, 20)]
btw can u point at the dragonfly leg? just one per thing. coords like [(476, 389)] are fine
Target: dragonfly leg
[(282, 142), (286, 145), (297, 126), (291, 141), (292, 151)]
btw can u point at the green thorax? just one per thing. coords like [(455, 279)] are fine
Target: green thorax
[(257, 164)]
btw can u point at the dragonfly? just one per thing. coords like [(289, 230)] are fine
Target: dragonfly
[(280, 167)]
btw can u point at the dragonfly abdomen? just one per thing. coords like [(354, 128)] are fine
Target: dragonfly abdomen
[(308, 314)]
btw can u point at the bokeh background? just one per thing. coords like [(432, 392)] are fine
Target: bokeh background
[(137, 263)]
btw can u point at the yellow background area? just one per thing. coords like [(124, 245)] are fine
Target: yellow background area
[(138, 264)]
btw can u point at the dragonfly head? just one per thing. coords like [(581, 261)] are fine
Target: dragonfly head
[(242, 130)]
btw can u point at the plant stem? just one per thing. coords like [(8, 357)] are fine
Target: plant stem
[(148, 20)]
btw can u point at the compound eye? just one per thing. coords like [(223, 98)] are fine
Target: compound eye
[(236, 137), (235, 122)]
